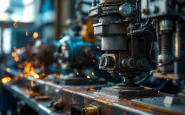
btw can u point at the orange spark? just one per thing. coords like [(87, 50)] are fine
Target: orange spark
[(6, 80), (35, 35), (93, 73), (8, 70), (13, 54), (18, 50), (26, 33), (61, 75), (16, 59), (88, 77)]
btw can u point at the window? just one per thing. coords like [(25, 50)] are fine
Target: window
[(7, 40)]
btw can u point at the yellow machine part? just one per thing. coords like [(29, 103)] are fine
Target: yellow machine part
[(88, 32)]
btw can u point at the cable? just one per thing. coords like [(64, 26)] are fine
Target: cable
[(144, 79), (147, 22), (152, 42), (171, 61)]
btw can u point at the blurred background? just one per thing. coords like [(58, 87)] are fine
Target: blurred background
[(22, 20)]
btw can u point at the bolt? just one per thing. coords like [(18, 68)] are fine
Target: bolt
[(92, 110), (101, 61), (58, 105), (143, 63), (107, 61), (145, 11), (132, 63), (129, 62)]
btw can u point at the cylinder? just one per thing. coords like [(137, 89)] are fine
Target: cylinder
[(166, 27), (166, 44), (113, 43), (179, 50), (90, 111)]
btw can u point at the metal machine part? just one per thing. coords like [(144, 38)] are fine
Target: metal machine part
[(125, 41), (91, 110), (166, 33), (162, 8), (168, 17), (88, 32), (78, 54), (73, 52)]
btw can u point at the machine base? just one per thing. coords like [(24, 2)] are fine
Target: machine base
[(128, 93)]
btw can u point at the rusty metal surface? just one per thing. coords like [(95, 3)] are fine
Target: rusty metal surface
[(40, 106), (48, 92), (53, 90), (84, 97), (158, 105), (75, 98)]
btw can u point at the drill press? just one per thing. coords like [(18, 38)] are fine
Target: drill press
[(125, 39)]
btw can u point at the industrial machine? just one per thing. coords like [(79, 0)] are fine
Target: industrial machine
[(78, 52), (127, 42), (74, 53)]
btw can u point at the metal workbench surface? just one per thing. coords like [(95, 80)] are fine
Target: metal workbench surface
[(40, 106)]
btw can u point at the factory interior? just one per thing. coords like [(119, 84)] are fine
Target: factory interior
[(92, 57)]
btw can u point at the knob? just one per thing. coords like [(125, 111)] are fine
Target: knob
[(143, 63), (100, 61), (107, 61), (58, 105), (129, 62), (126, 10)]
